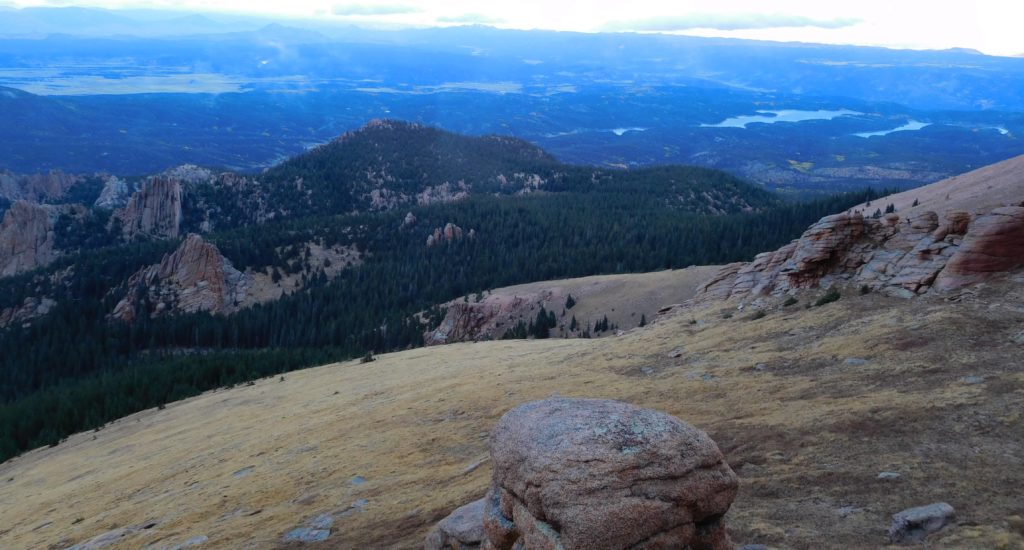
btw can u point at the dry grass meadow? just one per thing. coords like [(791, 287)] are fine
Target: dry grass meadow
[(809, 405)]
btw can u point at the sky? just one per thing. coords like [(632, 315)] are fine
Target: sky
[(990, 26)]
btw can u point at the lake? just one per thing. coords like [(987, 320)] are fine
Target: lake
[(784, 115)]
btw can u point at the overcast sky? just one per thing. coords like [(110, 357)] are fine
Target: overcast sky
[(992, 26)]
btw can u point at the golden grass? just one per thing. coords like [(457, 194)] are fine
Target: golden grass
[(806, 431)]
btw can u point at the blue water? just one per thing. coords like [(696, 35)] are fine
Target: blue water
[(785, 115), (909, 126)]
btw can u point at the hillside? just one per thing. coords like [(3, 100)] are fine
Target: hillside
[(202, 279), (837, 405), (809, 405), (625, 300)]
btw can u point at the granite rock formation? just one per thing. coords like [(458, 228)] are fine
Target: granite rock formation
[(115, 193), (598, 474), (31, 308), (50, 186), (153, 211), (195, 277), (449, 233), (900, 255), (27, 237), (487, 318)]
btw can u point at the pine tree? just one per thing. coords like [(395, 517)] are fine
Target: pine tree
[(643, 320)]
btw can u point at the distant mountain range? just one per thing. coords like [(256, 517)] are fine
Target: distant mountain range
[(244, 94)]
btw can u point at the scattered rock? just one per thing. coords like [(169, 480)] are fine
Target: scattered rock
[(319, 529), (847, 511), (194, 541), (323, 521), (675, 353), (1019, 338), (599, 474), (307, 534), (111, 537), (753, 547), (889, 475), (243, 472), (462, 529), (914, 524), (972, 380), (760, 367), (357, 480), (472, 467), (855, 361)]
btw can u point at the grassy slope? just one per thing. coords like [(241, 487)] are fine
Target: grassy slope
[(807, 434), (624, 298)]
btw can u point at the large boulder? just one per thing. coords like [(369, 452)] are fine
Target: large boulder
[(598, 474)]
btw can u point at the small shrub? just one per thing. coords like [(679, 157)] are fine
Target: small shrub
[(831, 296), (757, 315), (789, 301), (368, 358), (727, 315), (865, 289)]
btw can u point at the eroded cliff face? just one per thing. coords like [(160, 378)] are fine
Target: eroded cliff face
[(36, 187), (27, 236), (899, 255), (153, 211), (193, 278)]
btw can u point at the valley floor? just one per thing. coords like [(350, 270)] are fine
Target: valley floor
[(809, 406)]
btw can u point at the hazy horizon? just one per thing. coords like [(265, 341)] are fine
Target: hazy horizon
[(983, 26)]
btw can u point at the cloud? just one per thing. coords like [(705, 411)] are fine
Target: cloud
[(471, 18), (373, 9), (727, 22)]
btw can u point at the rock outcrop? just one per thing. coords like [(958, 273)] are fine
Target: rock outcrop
[(994, 244), (27, 236), (153, 211), (36, 187), (115, 193), (447, 234), (195, 277), (488, 318), (896, 254), (31, 308), (598, 474)]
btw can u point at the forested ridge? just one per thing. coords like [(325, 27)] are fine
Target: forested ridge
[(76, 369)]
